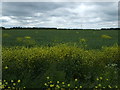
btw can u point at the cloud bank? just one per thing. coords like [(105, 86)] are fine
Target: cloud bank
[(60, 14)]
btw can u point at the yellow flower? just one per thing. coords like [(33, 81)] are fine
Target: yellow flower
[(48, 77), (97, 79), (63, 82), (109, 86), (57, 86), (76, 80), (52, 85), (13, 87), (101, 78), (19, 81), (116, 86), (12, 81), (24, 87), (68, 85), (96, 86), (50, 81), (9, 87), (76, 87), (0, 83), (6, 67), (4, 80), (80, 86), (45, 84), (99, 85), (58, 82), (103, 87), (14, 84), (63, 85), (107, 79)]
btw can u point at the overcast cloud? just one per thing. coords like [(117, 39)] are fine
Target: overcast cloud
[(61, 15)]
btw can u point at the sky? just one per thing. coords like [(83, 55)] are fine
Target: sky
[(93, 15)]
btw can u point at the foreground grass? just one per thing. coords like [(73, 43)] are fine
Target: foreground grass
[(71, 66)]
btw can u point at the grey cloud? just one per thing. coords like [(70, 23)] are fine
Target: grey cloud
[(63, 14)]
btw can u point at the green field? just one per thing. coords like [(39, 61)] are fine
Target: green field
[(60, 59), (93, 39)]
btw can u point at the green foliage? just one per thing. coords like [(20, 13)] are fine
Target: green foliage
[(62, 62)]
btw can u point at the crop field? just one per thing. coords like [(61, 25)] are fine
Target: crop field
[(54, 59)]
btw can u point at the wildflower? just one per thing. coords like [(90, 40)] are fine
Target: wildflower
[(103, 87), (52, 85), (80, 86), (76, 80), (6, 83), (99, 85), (101, 78), (76, 87), (107, 79), (12, 81), (57, 86), (6, 67), (58, 82), (63, 85), (0, 83), (109, 86), (4, 80), (96, 86), (13, 87), (24, 87), (9, 87), (48, 77), (68, 85), (14, 84), (45, 84), (97, 79), (116, 86), (63, 82), (50, 81), (19, 81)]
